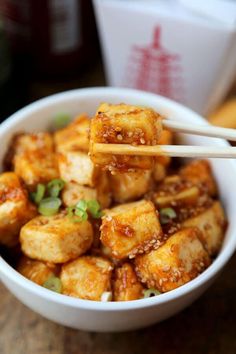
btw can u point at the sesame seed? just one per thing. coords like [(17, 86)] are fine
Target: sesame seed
[(119, 137), (166, 268)]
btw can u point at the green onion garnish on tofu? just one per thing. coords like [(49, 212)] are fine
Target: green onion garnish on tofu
[(55, 186), (81, 215), (82, 204), (150, 293), (76, 214), (47, 197), (79, 212), (166, 215), (94, 209), (53, 283), (39, 194), (61, 120), (49, 206)]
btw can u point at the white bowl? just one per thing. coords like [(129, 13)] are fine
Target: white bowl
[(117, 316)]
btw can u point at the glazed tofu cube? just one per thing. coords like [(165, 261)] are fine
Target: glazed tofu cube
[(55, 239), (74, 192), (88, 277), (32, 142), (161, 163), (131, 229), (34, 159), (159, 170), (126, 284), (36, 271), (130, 186), (76, 166), (212, 223), (180, 259), (15, 208), (199, 173), (124, 124), (171, 196), (75, 136), (103, 188)]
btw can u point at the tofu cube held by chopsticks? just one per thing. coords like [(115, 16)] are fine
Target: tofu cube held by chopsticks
[(124, 124)]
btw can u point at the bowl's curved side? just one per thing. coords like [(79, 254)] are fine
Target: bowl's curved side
[(118, 316), (99, 320)]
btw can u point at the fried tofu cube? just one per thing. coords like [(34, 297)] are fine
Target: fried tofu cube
[(212, 223), (37, 271), (15, 208), (27, 142), (199, 173), (180, 259), (103, 188), (159, 170), (34, 159), (161, 163), (173, 194), (126, 284), (124, 124), (130, 186), (133, 123), (166, 138), (56, 238), (76, 166), (74, 192), (88, 277), (75, 136), (131, 229)]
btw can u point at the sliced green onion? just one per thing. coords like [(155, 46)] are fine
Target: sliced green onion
[(76, 214), (81, 215), (39, 194), (53, 283), (94, 208), (70, 211), (55, 186), (150, 293), (49, 206), (61, 120), (167, 214), (82, 204), (79, 211)]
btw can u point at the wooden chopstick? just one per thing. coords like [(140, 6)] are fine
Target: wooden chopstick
[(165, 150), (204, 130)]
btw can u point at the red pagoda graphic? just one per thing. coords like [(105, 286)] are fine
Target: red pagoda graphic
[(154, 69)]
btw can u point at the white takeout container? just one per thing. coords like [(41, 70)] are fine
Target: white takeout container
[(181, 49), (117, 316)]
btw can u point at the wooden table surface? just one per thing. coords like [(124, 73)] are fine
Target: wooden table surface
[(206, 327)]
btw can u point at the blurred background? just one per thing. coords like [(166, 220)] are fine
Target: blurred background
[(167, 47), (46, 46)]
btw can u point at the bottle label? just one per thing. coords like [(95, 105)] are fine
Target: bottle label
[(65, 26)]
